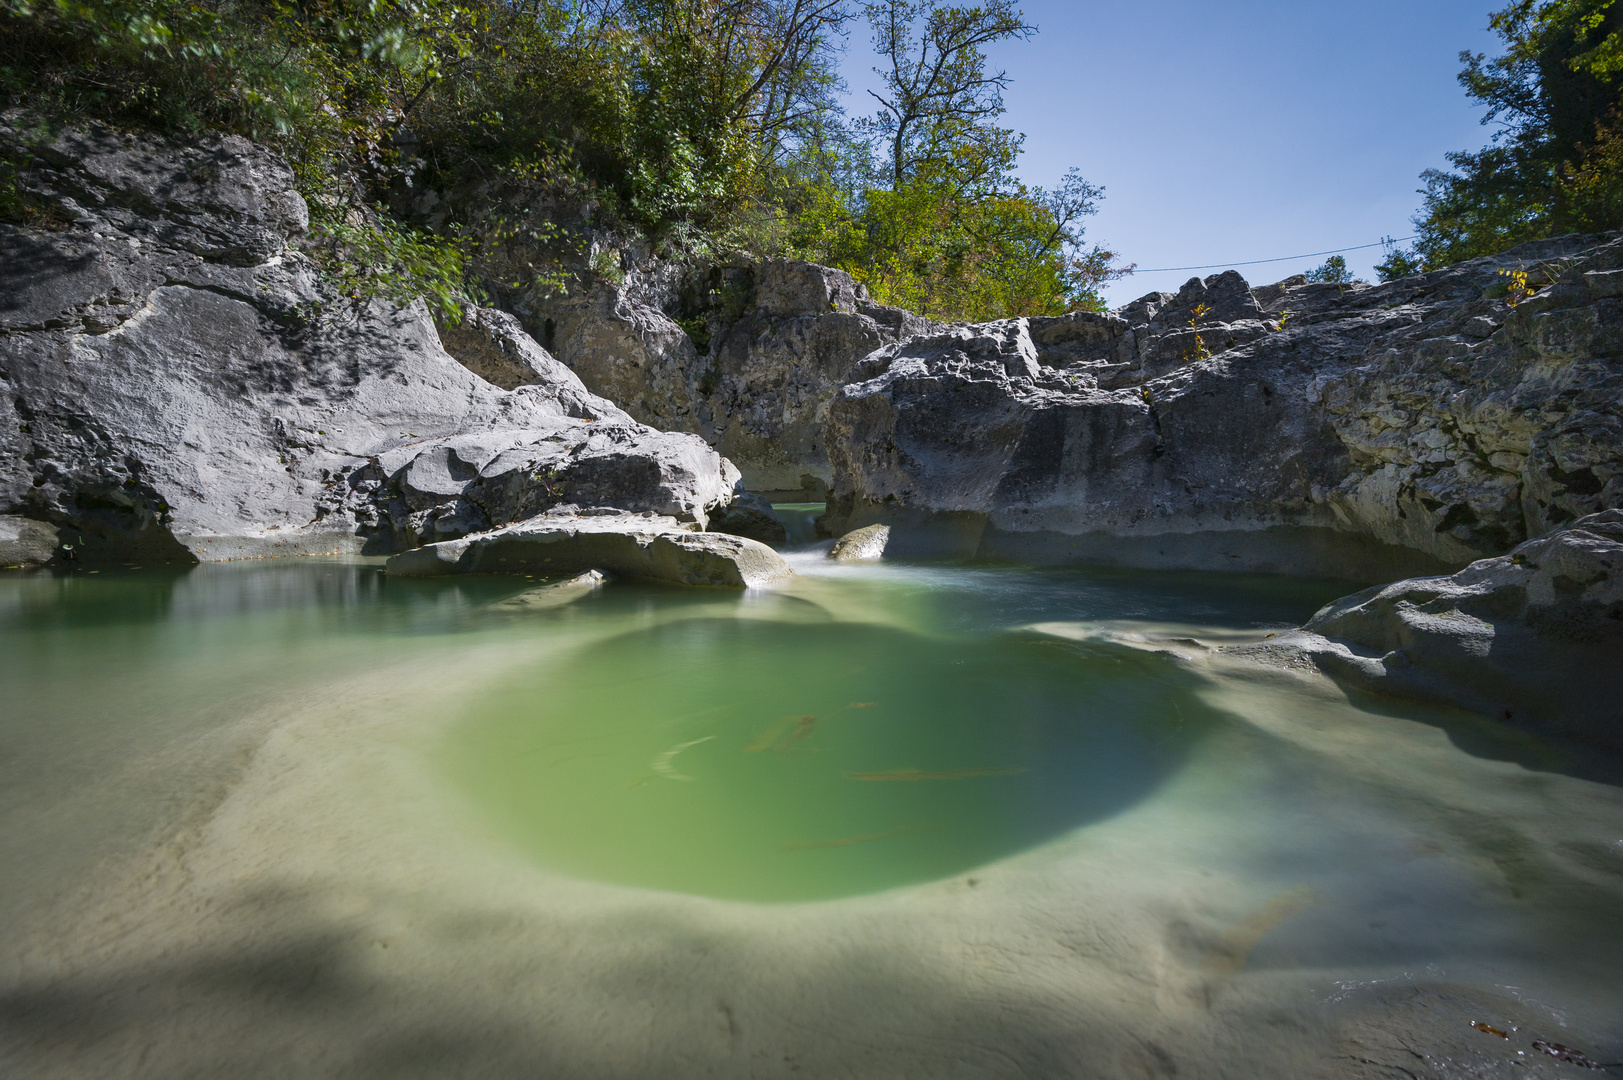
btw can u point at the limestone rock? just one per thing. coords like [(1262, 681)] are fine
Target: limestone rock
[(625, 350), (444, 488), (25, 542), (648, 547), (1534, 636), (175, 383), (868, 542), (750, 515), (1359, 431), (778, 339), (494, 346)]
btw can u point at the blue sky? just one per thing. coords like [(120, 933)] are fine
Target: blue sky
[(1230, 131)]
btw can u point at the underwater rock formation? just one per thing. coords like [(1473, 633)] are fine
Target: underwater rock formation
[(569, 540), (1361, 431), (177, 383), (1534, 636)]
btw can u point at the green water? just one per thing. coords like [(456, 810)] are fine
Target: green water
[(799, 521), (289, 782), (788, 761)]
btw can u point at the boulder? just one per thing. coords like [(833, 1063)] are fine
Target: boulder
[(648, 547), (25, 542), (1535, 636), (1359, 431), (868, 542), (176, 381)]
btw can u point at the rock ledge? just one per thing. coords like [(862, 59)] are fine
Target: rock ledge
[(646, 546)]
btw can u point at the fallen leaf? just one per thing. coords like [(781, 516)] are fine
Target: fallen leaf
[(1570, 1056)]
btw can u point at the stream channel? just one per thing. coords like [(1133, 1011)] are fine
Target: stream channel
[(298, 818)]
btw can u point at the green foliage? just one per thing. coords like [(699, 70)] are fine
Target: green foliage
[(375, 257), (1399, 263), (1556, 93), (922, 205), (1334, 270), (508, 136)]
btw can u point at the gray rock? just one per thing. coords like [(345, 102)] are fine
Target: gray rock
[(25, 542), (175, 384), (648, 547), (779, 338), (1535, 636), (868, 542), (1359, 431), (494, 346), (750, 515)]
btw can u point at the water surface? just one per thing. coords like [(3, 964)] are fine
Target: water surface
[(302, 804)]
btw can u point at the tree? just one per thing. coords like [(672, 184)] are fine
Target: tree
[(924, 207), (1334, 271), (1557, 95), (1399, 263), (937, 89)]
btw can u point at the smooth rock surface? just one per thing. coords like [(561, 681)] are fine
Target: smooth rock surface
[(868, 542), (1360, 431), (175, 384), (645, 546), (1535, 636)]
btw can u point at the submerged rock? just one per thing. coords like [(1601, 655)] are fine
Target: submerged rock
[(553, 594), (1534, 636), (644, 546), (1358, 431), (868, 542), (176, 383)]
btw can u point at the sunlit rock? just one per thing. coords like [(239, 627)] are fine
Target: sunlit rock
[(1534, 636), (1357, 431)]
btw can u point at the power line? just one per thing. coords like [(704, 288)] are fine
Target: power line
[(1282, 258)]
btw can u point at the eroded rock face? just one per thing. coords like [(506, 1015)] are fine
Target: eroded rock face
[(1534, 636), (778, 339), (568, 540), (494, 346), (1360, 431), (170, 390)]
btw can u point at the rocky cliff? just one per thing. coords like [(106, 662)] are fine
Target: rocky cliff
[(1363, 431), (752, 366), (176, 383)]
